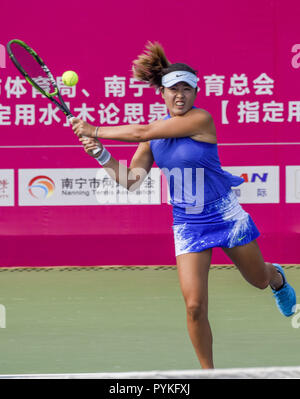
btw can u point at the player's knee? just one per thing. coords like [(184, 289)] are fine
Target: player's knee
[(197, 311)]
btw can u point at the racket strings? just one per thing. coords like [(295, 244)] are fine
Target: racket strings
[(35, 71)]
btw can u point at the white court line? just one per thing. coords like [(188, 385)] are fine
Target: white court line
[(235, 373), (133, 145)]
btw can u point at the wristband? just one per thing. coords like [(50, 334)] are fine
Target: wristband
[(104, 157)]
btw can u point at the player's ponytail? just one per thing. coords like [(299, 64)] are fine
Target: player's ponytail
[(150, 66)]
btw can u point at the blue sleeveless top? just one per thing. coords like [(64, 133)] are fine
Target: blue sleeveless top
[(193, 171)]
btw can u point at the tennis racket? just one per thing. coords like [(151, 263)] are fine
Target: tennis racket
[(35, 71)]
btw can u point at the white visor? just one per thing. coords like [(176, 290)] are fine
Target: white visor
[(170, 79)]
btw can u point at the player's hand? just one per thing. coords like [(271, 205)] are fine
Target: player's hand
[(90, 144), (82, 128)]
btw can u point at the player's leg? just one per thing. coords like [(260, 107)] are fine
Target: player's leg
[(259, 273), (193, 271), (249, 260)]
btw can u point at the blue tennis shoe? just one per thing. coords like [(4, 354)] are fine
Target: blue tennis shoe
[(285, 297)]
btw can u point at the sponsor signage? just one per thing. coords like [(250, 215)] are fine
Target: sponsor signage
[(64, 187)]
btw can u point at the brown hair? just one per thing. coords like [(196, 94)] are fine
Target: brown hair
[(153, 64)]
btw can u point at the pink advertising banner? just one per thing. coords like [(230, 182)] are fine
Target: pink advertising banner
[(247, 54)]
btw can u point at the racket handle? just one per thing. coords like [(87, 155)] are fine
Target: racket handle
[(96, 151)]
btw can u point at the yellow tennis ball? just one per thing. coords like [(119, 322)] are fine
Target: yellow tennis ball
[(70, 78)]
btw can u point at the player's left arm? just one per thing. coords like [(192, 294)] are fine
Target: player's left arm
[(196, 122)]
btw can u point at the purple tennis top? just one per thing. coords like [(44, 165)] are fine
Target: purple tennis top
[(193, 171)]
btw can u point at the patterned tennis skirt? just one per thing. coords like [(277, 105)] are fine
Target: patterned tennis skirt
[(222, 223)]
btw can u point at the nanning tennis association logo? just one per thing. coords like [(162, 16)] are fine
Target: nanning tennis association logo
[(41, 187)]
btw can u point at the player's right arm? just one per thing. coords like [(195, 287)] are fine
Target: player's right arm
[(129, 177)]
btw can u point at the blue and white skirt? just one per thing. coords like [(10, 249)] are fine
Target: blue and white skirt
[(221, 223)]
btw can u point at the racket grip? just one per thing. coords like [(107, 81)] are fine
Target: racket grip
[(96, 151)]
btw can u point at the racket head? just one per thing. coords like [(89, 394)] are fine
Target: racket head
[(35, 71), (32, 67)]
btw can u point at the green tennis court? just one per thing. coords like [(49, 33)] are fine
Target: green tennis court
[(110, 319)]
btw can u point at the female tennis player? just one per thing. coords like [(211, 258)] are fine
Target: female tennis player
[(206, 212)]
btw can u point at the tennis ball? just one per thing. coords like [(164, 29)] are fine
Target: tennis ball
[(70, 78)]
